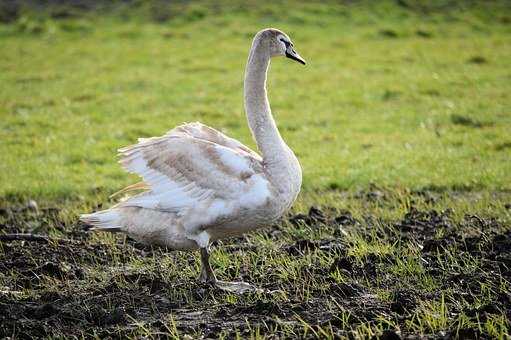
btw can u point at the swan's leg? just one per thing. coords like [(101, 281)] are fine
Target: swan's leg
[(208, 276), (206, 273)]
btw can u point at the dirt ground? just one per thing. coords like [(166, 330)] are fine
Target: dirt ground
[(45, 288)]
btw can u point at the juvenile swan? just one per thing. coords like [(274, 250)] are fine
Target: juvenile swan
[(200, 185)]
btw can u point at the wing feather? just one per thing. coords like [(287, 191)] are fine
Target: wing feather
[(193, 167), (201, 131)]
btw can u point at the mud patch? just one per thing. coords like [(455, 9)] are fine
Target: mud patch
[(386, 274)]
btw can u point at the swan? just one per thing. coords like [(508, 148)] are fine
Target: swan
[(200, 185)]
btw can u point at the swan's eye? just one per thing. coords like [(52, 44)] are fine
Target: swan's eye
[(287, 43)]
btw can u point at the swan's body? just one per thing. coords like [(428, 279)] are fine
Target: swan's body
[(201, 185)]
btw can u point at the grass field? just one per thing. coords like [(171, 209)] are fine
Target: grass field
[(400, 120)]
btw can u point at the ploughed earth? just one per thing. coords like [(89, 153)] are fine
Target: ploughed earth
[(425, 274)]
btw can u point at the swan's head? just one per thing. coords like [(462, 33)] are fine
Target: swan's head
[(280, 44)]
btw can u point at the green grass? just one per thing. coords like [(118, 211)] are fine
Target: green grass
[(400, 108), (389, 96)]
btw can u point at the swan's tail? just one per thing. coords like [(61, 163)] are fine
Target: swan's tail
[(106, 220)]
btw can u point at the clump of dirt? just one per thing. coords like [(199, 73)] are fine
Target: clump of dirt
[(424, 224), (46, 288), (314, 217), (404, 301)]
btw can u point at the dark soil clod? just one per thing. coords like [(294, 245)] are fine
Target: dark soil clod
[(345, 219), (388, 335), (404, 301), (51, 269), (301, 247), (42, 312), (343, 263), (346, 290), (317, 215), (313, 218)]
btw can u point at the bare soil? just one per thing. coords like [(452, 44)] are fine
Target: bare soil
[(46, 289)]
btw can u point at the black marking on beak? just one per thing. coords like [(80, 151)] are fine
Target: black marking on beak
[(290, 56)]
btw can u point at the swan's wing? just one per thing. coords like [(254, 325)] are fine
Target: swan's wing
[(185, 173), (204, 132)]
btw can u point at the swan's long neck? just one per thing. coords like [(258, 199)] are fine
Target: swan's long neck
[(260, 119)]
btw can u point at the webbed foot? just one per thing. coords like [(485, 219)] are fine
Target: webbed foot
[(208, 276), (236, 287)]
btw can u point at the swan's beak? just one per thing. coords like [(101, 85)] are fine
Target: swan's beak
[(292, 54)]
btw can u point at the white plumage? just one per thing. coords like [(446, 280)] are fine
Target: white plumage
[(200, 185)]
